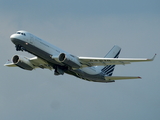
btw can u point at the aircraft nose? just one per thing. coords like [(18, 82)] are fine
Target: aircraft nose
[(15, 37), (12, 37)]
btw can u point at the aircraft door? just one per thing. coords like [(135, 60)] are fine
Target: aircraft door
[(31, 40)]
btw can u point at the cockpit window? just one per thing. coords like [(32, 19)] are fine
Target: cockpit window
[(21, 33)]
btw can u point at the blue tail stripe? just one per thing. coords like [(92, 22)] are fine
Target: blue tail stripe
[(117, 54), (108, 70)]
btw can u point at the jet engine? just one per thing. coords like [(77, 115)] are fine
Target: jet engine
[(69, 60), (22, 62)]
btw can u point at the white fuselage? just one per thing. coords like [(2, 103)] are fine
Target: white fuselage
[(30, 42), (51, 57)]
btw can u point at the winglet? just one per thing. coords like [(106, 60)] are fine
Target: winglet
[(152, 58)]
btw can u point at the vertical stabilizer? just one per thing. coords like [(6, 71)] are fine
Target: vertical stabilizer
[(113, 53)]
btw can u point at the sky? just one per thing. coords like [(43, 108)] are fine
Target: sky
[(83, 28)]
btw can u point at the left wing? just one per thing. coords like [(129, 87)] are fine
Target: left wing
[(93, 61), (10, 64), (28, 63)]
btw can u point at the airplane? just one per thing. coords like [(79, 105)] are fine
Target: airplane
[(48, 56)]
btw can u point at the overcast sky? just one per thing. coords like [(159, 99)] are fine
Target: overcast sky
[(83, 28)]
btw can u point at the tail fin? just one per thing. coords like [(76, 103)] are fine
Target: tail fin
[(113, 53)]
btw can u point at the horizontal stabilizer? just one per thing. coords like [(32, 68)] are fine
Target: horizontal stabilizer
[(111, 78)]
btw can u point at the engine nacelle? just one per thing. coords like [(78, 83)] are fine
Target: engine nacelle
[(69, 60), (22, 62)]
